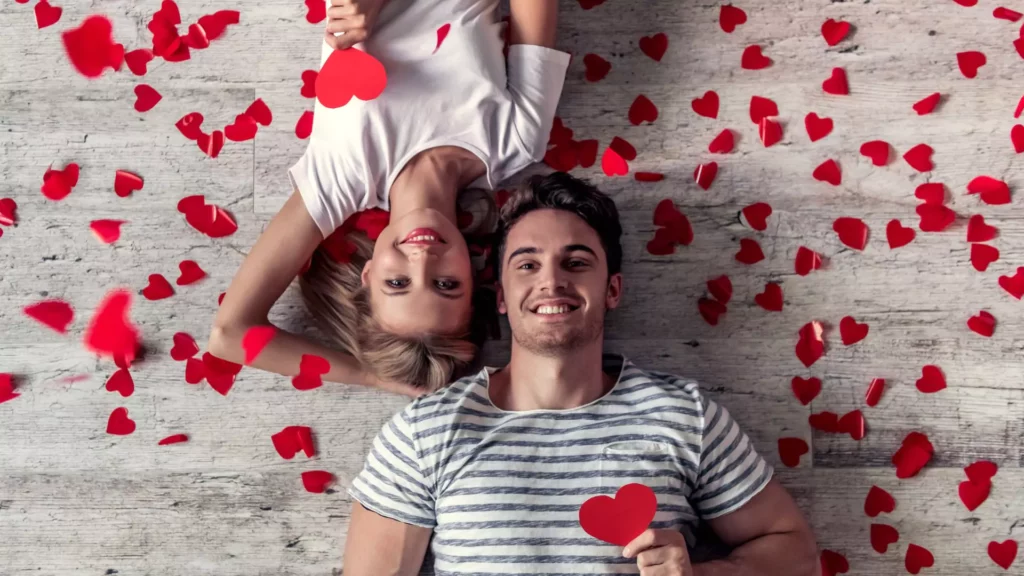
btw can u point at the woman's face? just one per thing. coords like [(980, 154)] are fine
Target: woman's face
[(420, 278)]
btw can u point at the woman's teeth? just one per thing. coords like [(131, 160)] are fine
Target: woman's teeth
[(422, 239), (563, 309)]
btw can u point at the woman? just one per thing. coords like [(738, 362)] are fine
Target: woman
[(452, 117)]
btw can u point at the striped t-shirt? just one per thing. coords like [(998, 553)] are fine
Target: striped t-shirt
[(502, 490)]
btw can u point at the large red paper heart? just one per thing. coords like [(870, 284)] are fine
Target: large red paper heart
[(311, 370), (317, 481), (852, 332), (920, 157), (710, 310), (853, 232), (1004, 553), (158, 288), (119, 423), (927, 104), (190, 273), (915, 451), (878, 501), (918, 558), (256, 338), (934, 217), (729, 17), (828, 171), (931, 380), (982, 255), (125, 183), (981, 471), (771, 298), (146, 97), (720, 288), (898, 235), (753, 59), (704, 174), (242, 129), (750, 251), (47, 15), (806, 390), (969, 62), (817, 127), (91, 47), (853, 423), (824, 421), (706, 105), (877, 150), (642, 110), (836, 84), (769, 131), (620, 519), (991, 191), (8, 209), (973, 494), (806, 261), (121, 382), (882, 535), (723, 143), (834, 31), (173, 439), (596, 67), (1014, 285), (979, 231), (55, 314), (350, 73), (110, 332), (874, 391), (184, 347), (810, 346), (291, 439), (106, 231), (833, 563), (791, 449), (654, 46), (757, 215), (57, 184), (761, 107), (984, 324), (931, 193)]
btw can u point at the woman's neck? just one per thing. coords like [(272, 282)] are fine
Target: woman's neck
[(433, 179)]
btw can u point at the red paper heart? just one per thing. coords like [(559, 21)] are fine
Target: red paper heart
[(7, 388), (256, 338), (833, 563), (806, 390), (817, 127), (720, 288), (623, 148), (291, 439), (675, 229), (223, 224), (915, 451), (729, 17), (810, 346), (119, 423), (308, 89), (878, 501), (874, 392), (1017, 138), (190, 273), (710, 310), (46, 15), (184, 347), (934, 217), (834, 31), (350, 73), (806, 261), (244, 128), (146, 97), (642, 110), (704, 174), (91, 47), (967, 3), (931, 193), (927, 104), (991, 191), (769, 131), (311, 370), (982, 255), (920, 157), (853, 232), (137, 60), (753, 59), (654, 46), (882, 535), (121, 382), (173, 439), (613, 164), (931, 380), (979, 231), (57, 184), (791, 449), (620, 519), (190, 125), (1014, 285), (836, 83), (828, 171), (442, 33), (898, 235), (918, 558), (316, 11), (158, 288), (761, 107), (8, 209), (195, 370), (824, 421), (1003, 554), (220, 373), (596, 67), (106, 231), (853, 423), (1006, 14), (55, 314), (877, 150), (973, 494), (196, 37), (723, 143), (211, 144), (663, 243), (110, 332), (984, 324), (707, 105), (125, 183), (585, 4), (852, 332), (562, 158), (750, 251), (771, 298), (969, 62), (586, 152), (260, 112), (757, 215), (981, 471), (317, 481)]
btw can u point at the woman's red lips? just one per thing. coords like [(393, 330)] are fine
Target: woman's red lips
[(423, 236)]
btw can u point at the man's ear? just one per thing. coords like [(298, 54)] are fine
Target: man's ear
[(502, 309), (364, 277), (614, 294)]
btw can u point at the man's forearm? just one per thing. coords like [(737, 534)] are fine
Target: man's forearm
[(789, 554)]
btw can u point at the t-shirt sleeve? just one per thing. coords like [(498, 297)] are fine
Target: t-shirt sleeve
[(731, 472), (535, 78), (392, 483)]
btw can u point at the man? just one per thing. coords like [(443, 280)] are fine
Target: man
[(495, 467)]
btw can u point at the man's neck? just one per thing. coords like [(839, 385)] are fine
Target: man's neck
[(433, 179), (535, 382)]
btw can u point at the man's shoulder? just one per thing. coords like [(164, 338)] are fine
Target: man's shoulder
[(448, 402), (637, 378)]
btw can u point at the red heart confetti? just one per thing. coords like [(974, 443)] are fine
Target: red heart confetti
[(753, 59), (190, 125), (824, 421), (585, 4), (316, 11), (853, 232), (791, 449), (898, 235), (757, 215), (934, 217), (57, 184), (761, 107), (706, 105), (931, 380), (291, 439), (771, 298), (836, 84), (1003, 553), (190, 273), (185, 346), (317, 481), (7, 388), (442, 33), (55, 314), (723, 143), (882, 535), (91, 47), (931, 193), (110, 332), (1017, 138), (918, 558), (623, 148), (121, 382), (915, 451), (106, 231), (260, 112), (119, 423), (311, 370), (874, 392), (720, 288), (710, 310), (878, 501), (981, 471), (8, 209), (350, 73), (596, 67), (729, 17), (642, 110), (146, 97), (158, 288), (877, 150), (833, 563), (195, 370), (984, 324), (806, 390), (853, 423), (979, 231), (852, 332), (927, 104), (704, 174), (817, 127), (834, 31), (920, 157), (209, 219), (991, 191), (806, 261), (47, 15), (811, 345), (1006, 14), (173, 439), (675, 229), (308, 89), (613, 164), (654, 46), (620, 519), (211, 144), (982, 255), (769, 131), (663, 243), (242, 129), (256, 338), (969, 62), (220, 373), (125, 183), (1014, 285), (750, 251), (828, 171), (974, 494)]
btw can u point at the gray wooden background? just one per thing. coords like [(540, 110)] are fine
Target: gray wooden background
[(74, 500)]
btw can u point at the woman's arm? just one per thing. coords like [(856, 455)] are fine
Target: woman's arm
[(533, 22), (265, 274)]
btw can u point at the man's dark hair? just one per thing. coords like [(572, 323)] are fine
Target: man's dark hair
[(560, 191)]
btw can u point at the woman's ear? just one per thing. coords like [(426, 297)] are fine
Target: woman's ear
[(364, 277)]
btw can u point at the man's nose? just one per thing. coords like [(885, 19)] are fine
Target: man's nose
[(553, 279)]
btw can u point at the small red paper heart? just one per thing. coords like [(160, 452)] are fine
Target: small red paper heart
[(560, 133), (931, 193), (317, 481), (190, 125), (979, 231), (91, 47), (442, 33), (220, 373), (119, 423), (211, 144), (7, 388), (771, 298), (878, 501), (308, 89), (931, 380), (967, 3), (137, 60), (704, 174), (817, 127), (125, 183), (46, 15), (753, 59), (173, 439), (620, 519), (769, 131), (750, 251), (877, 150), (710, 310), (791, 449), (586, 152), (255, 339), (981, 471), (663, 243), (642, 110), (757, 215), (316, 11), (190, 273), (654, 46), (350, 73), (828, 171), (196, 37), (927, 104), (806, 390), (874, 393), (973, 494), (1003, 554), (723, 143), (110, 332), (1017, 138), (836, 83), (585, 4), (920, 157), (562, 158), (596, 67), (761, 107), (106, 231), (121, 382), (55, 314), (311, 370), (833, 563), (623, 148), (934, 217), (729, 17), (649, 176), (195, 370), (918, 558), (184, 347), (853, 423), (720, 288), (898, 235), (304, 125), (982, 255), (1006, 14), (824, 421), (223, 224), (158, 288), (806, 261), (915, 451), (57, 184), (8, 208), (244, 128), (371, 222), (851, 331), (969, 62), (882, 535), (613, 164), (853, 232), (810, 346), (707, 105), (260, 112), (1014, 285), (992, 191), (291, 439), (834, 31), (146, 97)]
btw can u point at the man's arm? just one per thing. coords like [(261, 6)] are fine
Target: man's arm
[(533, 22), (379, 546), (769, 535)]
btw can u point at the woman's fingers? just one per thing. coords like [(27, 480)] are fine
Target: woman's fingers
[(352, 38), (335, 12), (347, 24)]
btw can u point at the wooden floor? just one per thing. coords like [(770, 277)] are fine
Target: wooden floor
[(75, 500)]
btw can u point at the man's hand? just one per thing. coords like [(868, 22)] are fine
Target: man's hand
[(660, 553), (356, 18)]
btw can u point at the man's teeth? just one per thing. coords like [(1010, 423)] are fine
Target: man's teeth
[(563, 309)]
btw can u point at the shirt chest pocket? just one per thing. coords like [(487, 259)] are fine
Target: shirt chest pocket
[(652, 464)]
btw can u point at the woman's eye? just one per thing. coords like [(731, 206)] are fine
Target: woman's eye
[(397, 283), (446, 284)]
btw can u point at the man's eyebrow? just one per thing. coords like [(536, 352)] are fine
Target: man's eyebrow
[(523, 250), (569, 248), (580, 248)]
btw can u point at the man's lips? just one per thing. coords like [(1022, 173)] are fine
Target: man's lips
[(423, 237)]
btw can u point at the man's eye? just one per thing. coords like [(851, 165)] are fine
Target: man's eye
[(447, 284), (526, 266), (577, 263), (397, 282)]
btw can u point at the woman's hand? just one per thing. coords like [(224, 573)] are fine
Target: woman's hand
[(356, 18)]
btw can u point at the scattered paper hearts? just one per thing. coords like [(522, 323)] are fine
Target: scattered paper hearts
[(878, 501), (304, 125), (760, 107), (317, 481), (654, 46), (256, 338), (852, 332), (753, 59), (190, 273), (211, 144), (173, 439), (8, 212), (705, 174), (720, 288), (769, 131), (642, 110), (934, 217), (983, 324), (316, 11), (1003, 553), (874, 392), (991, 191), (1006, 14), (757, 215), (119, 423), (982, 255), (219, 373), (106, 231), (806, 261), (706, 105), (125, 183), (723, 143), (674, 229), (121, 382), (195, 370), (729, 17), (613, 164), (260, 112), (836, 84), (1017, 138), (110, 332), (828, 171), (311, 370), (57, 184), (979, 231), (442, 33), (853, 232), (710, 310), (308, 89), (185, 346), (834, 31), (974, 494), (898, 235), (931, 193), (291, 439), (981, 471), (970, 62), (791, 449), (209, 219), (158, 288), (771, 298), (853, 423), (915, 451), (7, 388), (146, 97), (190, 125), (91, 47), (348, 74), (817, 127), (620, 519), (917, 559), (47, 15), (810, 345), (138, 60), (833, 563), (920, 157), (750, 251), (927, 104), (806, 390), (877, 151), (244, 128), (931, 380), (1014, 285), (824, 421), (54, 314), (596, 67)]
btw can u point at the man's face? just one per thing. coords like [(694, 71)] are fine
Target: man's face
[(555, 287)]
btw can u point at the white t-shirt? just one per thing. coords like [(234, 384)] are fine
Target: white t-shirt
[(463, 95)]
